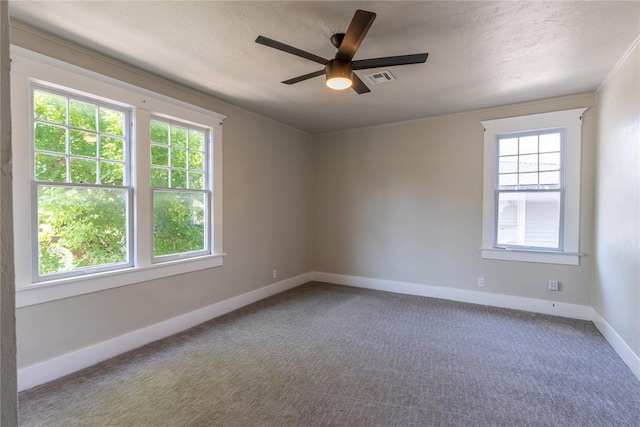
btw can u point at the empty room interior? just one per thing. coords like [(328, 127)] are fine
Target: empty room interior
[(320, 213)]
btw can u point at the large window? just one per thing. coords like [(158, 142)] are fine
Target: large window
[(80, 184), (532, 188), (113, 184)]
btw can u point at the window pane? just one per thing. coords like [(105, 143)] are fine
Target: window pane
[(550, 179), (529, 219), (111, 148), (49, 107), (549, 161), (159, 132), (508, 146), (196, 181), (178, 158), (82, 115), (508, 164), (178, 136), (196, 139), (80, 227), (178, 222), (528, 163), (550, 142), (159, 155), (178, 179), (82, 143), (111, 122), (50, 138), (51, 168), (508, 180), (195, 160), (528, 179), (159, 177), (529, 144), (111, 173), (83, 171)]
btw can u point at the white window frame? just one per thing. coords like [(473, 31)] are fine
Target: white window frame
[(571, 122), (206, 191), (127, 185), (31, 68)]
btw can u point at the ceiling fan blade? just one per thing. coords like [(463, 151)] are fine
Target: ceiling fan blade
[(358, 85), (390, 61), (290, 49), (304, 77), (358, 28)]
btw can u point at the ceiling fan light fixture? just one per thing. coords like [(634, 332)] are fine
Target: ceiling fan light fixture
[(339, 74), (339, 71)]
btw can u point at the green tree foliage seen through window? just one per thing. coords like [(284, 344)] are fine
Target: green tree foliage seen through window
[(177, 173)]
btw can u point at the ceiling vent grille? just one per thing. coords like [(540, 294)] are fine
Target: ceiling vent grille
[(380, 77)]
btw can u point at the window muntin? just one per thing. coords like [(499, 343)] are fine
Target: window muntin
[(528, 190), (178, 155), (81, 190), (181, 196), (77, 140)]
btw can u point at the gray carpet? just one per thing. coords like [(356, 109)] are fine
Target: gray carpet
[(326, 355)]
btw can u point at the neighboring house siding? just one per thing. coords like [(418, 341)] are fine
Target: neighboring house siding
[(540, 223)]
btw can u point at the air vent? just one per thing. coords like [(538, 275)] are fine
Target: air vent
[(380, 77)]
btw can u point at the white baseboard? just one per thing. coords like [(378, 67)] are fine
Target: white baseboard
[(619, 345), (573, 311), (60, 366)]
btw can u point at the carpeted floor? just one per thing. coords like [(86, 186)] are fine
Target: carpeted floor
[(326, 355)]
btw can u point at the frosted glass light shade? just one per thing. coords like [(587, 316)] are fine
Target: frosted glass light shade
[(339, 83)]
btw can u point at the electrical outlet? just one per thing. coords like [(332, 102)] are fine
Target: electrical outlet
[(554, 285), (480, 281), (275, 274)]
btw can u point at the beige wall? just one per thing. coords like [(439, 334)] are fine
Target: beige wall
[(267, 226), (403, 202), (616, 291)]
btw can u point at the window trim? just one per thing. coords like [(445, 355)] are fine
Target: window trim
[(29, 67), (571, 121)]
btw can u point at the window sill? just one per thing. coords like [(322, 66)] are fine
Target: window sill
[(541, 256), (41, 292)]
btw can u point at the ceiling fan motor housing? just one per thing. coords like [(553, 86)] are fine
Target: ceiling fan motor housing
[(338, 68)]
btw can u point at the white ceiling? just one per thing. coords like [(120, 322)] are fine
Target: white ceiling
[(481, 54)]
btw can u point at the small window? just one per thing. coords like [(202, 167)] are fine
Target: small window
[(529, 189), (531, 195)]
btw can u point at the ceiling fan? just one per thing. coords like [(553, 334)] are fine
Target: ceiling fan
[(339, 71)]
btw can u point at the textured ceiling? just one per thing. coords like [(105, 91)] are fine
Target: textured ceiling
[(481, 54)]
